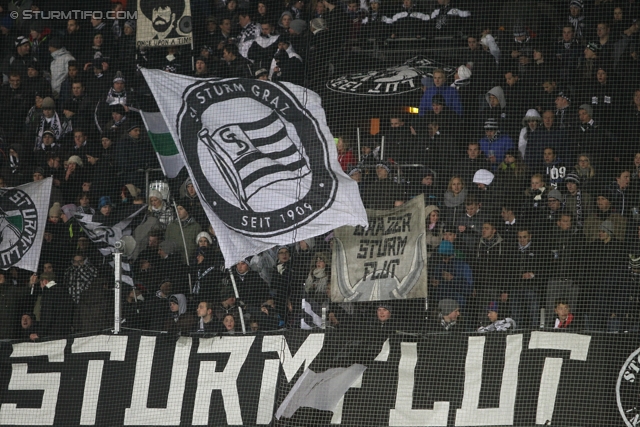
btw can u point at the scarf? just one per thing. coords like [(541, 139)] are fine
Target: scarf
[(577, 25), (201, 274), (579, 209), (119, 123), (14, 164), (319, 273), (495, 137), (565, 324), (442, 16), (452, 201), (114, 97), (447, 325), (53, 124)]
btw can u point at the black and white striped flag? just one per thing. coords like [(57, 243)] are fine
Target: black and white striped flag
[(105, 236)]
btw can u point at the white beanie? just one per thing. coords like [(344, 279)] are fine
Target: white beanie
[(483, 176), (464, 72), (205, 235), (155, 193)]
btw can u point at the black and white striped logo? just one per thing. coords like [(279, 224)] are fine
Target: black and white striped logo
[(257, 154)]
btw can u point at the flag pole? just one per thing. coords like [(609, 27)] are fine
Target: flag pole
[(235, 292), (184, 243)]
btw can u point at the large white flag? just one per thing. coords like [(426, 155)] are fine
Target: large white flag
[(23, 216), (261, 157)]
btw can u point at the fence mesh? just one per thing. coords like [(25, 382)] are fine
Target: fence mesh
[(183, 235)]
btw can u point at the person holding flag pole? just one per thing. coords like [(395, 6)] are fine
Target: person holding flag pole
[(184, 243)]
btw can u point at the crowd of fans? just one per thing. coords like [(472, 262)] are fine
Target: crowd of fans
[(527, 157)]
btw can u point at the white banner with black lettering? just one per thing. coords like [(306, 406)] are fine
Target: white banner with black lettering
[(387, 261), (261, 157)]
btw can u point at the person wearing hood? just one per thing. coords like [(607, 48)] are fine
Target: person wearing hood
[(495, 108), (179, 322), (498, 321), (59, 65), (495, 144), (530, 124), (454, 198), (188, 228), (450, 94), (191, 202)]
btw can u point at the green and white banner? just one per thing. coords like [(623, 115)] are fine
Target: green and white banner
[(165, 147), (23, 216)]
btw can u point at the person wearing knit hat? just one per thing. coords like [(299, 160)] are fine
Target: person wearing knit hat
[(587, 109), (578, 203), (55, 211), (131, 23), (383, 165), (446, 249), (48, 104), (75, 160), (204, 239), (297, 26), (607, 227), (104, 201), (356, 174), (555, 194)]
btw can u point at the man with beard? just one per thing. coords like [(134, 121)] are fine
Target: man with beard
[(164, 16)]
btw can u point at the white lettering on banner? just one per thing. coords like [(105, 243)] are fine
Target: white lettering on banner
[(225, 381), (469, 414), (337, 412), (290, 365), (138, 413), (403, 415), (116, 346), (305, 354), (21, 380), (579, 347)]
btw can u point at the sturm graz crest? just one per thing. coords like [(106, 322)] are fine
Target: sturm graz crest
[(258, 156), (18, 226), (628, 390)]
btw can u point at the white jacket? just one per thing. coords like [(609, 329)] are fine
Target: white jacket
[(59, 68)]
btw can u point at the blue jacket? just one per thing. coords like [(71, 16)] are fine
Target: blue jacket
[(499, 147), (451, 98)]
